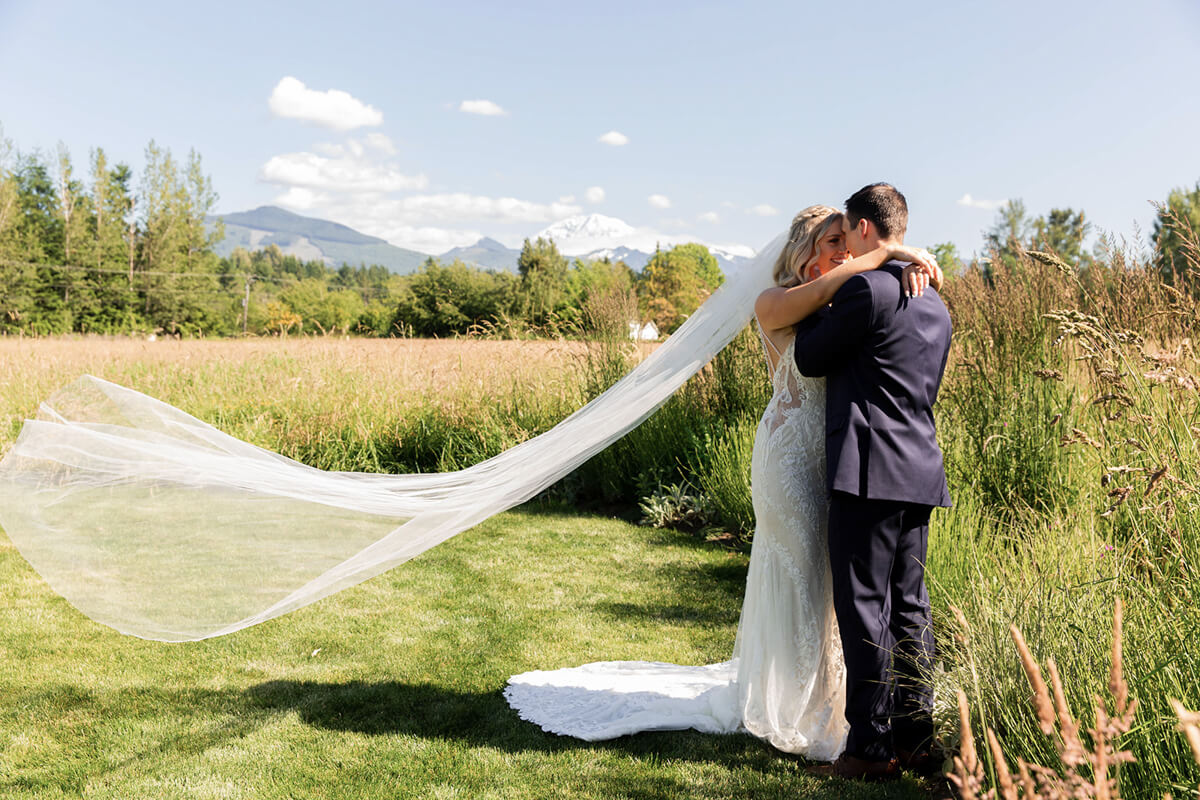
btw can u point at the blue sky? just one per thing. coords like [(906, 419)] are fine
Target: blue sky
[(733, 117)]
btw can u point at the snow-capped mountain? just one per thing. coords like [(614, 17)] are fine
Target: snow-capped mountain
[(581, 235), (597, 236)]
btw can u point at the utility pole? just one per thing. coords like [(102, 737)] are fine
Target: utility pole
[(132, 238), (246, 303)]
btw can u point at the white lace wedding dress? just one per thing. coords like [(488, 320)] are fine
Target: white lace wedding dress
[(786, 680)]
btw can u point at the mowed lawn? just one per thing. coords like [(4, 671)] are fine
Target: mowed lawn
[(392, 689)]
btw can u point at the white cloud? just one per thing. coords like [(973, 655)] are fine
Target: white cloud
[(483, 107), (615, 138), (728, 204), (358, 183), (711, 217), (676, 222), (347, 173), (462, 206), (436, 223), (380, 142), (333, 108), (434, 241), (375, 220), (594, 194), (763, 210), (971, 202), (302, 199), (659, 201), (353, 183)]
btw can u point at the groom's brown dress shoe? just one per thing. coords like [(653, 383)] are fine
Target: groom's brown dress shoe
[(854, 768), (922, 762)]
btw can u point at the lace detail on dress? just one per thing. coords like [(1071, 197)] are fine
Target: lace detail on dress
[(786, 681)]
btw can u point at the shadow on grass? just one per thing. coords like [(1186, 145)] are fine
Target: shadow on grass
[(706, 615), (214, 719), (728, 577), (200, 720), (484, 719), (478, 718)]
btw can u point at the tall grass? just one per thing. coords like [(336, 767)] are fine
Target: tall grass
[(1070, 419)]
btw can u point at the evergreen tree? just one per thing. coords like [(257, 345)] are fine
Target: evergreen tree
[(39, 224), (9, 208), (1062, 231), (179, 271), (17, 277), (1007, 237), (199, 203), (74, 210), (113, 206), (543, 273), (75, 215), (1176, 223)]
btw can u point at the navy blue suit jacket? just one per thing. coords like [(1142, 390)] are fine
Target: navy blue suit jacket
[(882, 356)]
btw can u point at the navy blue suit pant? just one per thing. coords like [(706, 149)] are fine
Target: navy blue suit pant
[(877, 554)]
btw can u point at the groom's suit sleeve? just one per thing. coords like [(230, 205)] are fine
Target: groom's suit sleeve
[(829, 338)]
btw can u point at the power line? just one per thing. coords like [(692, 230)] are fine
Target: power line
[(232, 276), (148, 273), (366, 292), (232, 292)]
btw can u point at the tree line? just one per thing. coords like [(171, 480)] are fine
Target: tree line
[(101, 250), (92, 251), (1064, 231)]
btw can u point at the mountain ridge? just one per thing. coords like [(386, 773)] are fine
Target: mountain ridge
[(311, 238), (590, 237)]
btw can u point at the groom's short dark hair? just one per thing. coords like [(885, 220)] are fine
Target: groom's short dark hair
[(883, 205)]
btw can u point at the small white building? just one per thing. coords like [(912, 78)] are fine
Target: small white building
[(643, 333)]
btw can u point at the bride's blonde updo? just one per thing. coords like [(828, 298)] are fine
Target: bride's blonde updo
[(801, 249)]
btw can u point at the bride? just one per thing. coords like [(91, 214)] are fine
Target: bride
[(785, 682)]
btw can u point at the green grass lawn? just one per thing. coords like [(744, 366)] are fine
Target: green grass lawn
[(393, 688)]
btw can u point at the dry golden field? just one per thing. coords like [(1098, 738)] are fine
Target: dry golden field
[(361, 380)]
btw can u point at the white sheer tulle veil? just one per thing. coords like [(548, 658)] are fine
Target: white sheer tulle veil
[(157, 524)]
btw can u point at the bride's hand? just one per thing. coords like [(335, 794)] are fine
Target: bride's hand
[(921, 272)]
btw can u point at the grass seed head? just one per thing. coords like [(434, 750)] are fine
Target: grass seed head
[(1008, 789), (1189, 723), (1041, 695), (967, 740), (1073, 752), (1116, 676)]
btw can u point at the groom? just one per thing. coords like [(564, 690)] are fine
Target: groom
[(882, 354)]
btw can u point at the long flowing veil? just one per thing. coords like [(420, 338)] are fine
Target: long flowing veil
[(157, 524)]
